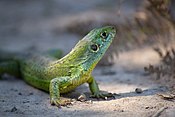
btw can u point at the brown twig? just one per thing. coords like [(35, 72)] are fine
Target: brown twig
[(157, 114)]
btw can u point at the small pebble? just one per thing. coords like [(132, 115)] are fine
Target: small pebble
[(121, 110), (82, 97), (73, 101), (14, 109), (89, 102), (138, 90), (31, 93)]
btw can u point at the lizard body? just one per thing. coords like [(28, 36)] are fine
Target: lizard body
[(63, 75)]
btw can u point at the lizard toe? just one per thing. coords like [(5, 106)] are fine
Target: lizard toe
[(61, 102)]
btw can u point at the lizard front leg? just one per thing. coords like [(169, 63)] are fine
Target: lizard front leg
[(55, 85), (96, 93)]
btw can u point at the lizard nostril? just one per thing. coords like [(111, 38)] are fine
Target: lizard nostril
[(112, 27), (104, 35)]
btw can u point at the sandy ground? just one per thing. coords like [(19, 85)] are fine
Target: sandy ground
[(32, 26)]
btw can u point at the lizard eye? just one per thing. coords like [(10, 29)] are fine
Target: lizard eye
[(94, 47), (104, 35)]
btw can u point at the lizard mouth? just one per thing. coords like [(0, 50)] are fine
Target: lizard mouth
[(112, 34)]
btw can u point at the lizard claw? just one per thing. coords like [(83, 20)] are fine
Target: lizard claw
[(102, 95), (60, 102)]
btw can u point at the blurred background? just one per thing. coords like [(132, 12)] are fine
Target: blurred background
[(59, 24), (41, 25)]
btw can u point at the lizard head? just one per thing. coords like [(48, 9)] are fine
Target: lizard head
[(91, 48), (100, 39), (97, 42)]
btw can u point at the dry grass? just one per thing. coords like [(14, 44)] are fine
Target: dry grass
[(165, 70)]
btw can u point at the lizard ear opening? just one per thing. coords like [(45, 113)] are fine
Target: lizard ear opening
[(94, 47)]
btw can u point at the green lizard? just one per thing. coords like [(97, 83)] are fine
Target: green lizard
[(62, 75)]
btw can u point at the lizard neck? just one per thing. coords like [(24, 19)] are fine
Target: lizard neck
[(80, 56)]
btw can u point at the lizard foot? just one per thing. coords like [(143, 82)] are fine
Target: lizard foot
[(102, 95), (60, 102)]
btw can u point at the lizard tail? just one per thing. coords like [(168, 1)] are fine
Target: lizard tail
[(8, 64), (5, 56), (9, 67)]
